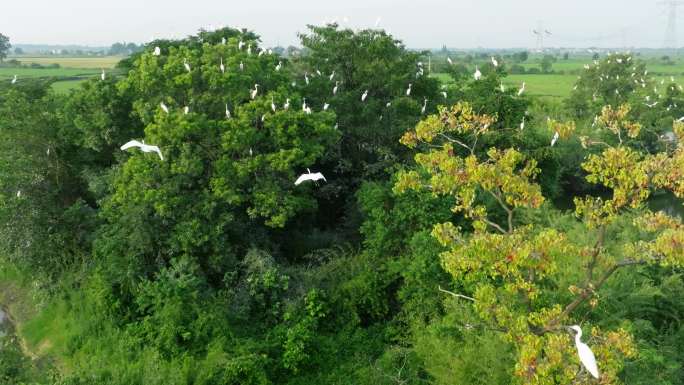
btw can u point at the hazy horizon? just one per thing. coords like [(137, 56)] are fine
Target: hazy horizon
[(432, 23)]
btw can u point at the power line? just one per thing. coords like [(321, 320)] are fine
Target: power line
[(671, 30)]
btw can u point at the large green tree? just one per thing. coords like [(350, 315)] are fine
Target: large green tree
[(4, 46)]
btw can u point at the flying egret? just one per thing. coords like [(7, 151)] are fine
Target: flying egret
[(408, 91), (495, 62), (477, 73), (227, 112), (279, 66), (186, 65), (364, 96), (157, 51), (253, 93), (309, 176), (555, 138), (286, 106), (14, 79), (273, 106), (585, 354), (522, 89), (422, 110), (222, 67), (337, 84), (143, 147), (163, 107), (102, 75)]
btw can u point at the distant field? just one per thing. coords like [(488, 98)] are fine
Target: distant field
[(72, 71), (72, 62)]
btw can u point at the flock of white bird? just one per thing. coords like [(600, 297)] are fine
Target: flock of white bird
[(585, 354)]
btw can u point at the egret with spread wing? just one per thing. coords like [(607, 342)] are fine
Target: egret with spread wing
[(143, 147)]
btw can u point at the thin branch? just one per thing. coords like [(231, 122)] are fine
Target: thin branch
[(508, 210), (455, 295), (494, 225), (594, 256), (452, 140)]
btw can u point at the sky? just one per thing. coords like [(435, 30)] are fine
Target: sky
[(418, 23)]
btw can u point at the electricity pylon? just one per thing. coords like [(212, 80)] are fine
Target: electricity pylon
[(671, 30)]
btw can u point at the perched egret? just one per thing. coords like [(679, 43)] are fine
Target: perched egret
[(555, 138), (522, 89), (309, 176), (444, 94), (422, 110), (451, 62), (388, 105), (186, 110), (325, 106), (585, 354), (227, 112), (242, 66), (332, 76), (222, 67), (495, 62), (364, 96), (163, 107), (337, 84), (102, 75), (477, 73), (286, 106), (241, 44), (19, 194), (502, 88), (319, 72), (273, 106), (249, 49), (408, 91), (187, 65), (14, 79), (143, 147), (157, 51), (254, 92), (306, 78), (279, 66)]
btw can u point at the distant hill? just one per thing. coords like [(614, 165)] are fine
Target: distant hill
[(43, 48)]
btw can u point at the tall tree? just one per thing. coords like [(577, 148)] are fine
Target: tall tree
[(4, 46)]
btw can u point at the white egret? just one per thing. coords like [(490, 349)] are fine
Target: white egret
[(18, 193), (377, 21), (157, 51), (14, 79), (364, 96), (186, 65), (422, 110), (163, 107), (273, 106), (222, 67), (502, 88), (286, 106), (102, 75), (306, 78), (241, 44), (279, 66), (186, 110), (555, 138), (408, 91), (319, 72), (332, 76), (444, 94), (585, 354), (495, 62), (326, 106), (249, 49), (477, 73), (522, 124), (451, 62), (309, 176), (388, 105), (143, 147), (522, 89), (253, 93), (337, 84), (227, 112), (242, 66)]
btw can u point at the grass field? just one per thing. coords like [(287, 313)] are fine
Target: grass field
[(72, 71)]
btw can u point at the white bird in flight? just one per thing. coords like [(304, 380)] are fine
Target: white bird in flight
[(163, 107), (408, 91), (364, 96), (254, 92), (157, 51), (477, 73), (585, 354), (143, 147), (309, 176)]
